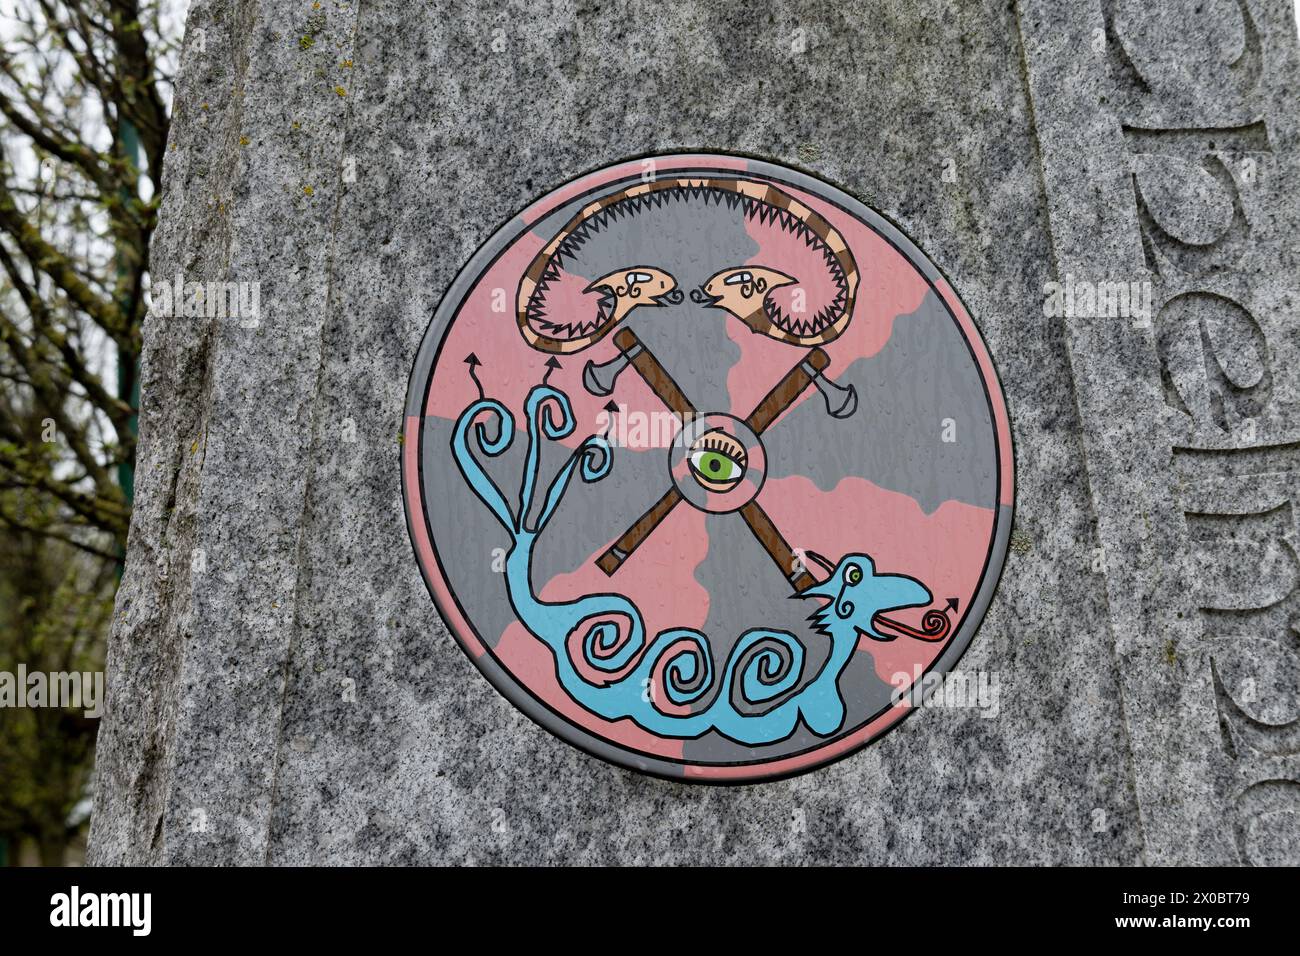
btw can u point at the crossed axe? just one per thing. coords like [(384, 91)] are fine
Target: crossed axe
[(841, 402)]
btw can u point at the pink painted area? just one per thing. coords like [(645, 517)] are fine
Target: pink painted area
[(663, 165), (944, 550), (787, 252), (485, 325), (566, 300), (659, 578), (1001, 420), (510, 366), (888, 286), (420, 536)]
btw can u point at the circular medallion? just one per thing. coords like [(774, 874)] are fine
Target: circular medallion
[(664, 401)]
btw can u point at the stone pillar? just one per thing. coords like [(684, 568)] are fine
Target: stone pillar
[(281, 689), (1169, 160)]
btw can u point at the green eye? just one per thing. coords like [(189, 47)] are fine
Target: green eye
[(715, 466), (717, 461), (853, 574)]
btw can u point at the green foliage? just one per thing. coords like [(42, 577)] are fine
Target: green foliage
[(84, 114), (55, 605)]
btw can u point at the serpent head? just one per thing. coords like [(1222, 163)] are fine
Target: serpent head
[(857, 594), (790, 274)]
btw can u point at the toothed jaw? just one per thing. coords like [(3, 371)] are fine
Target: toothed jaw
[(606, 307), (573, 328), (569, 331), (794, 325)]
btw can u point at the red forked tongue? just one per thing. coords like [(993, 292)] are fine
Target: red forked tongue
[(934, 624)]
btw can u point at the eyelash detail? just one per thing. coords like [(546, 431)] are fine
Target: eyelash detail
[(724, 445)]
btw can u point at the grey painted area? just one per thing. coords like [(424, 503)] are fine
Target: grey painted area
[(292, 697), (586, 521), (681, 236), (763, 599), (700, 358), (922, 383)]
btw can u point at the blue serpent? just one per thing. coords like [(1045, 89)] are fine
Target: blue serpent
[(630, 676)]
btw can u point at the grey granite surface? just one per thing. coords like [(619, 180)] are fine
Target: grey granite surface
[(281, 689)]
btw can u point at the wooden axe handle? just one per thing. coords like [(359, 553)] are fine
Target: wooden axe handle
[(622, 549), (776, 547), (782, 396), (655, 375)]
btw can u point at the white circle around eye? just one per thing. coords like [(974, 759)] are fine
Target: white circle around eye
[(740, 459)]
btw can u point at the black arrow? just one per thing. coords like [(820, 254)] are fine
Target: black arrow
[(552, 364), (952, 604), (472, 361), (612, 408)]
